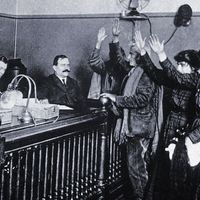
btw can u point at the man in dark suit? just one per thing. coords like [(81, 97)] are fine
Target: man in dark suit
[(138, 101), (3, 67), (59, 88)]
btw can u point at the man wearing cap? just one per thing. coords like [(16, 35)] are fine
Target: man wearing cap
[(136, 127), (59, 88)]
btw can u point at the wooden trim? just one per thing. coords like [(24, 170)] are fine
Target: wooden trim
[(86, 16)]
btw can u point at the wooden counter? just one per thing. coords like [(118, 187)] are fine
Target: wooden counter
[(72, 158)]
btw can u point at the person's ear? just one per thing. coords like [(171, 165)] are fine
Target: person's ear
[(54, 67)]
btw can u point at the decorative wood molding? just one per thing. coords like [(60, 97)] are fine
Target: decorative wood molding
[(85, 16)]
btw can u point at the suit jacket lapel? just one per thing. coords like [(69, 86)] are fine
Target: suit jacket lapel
[(69, 85), (59, 84)]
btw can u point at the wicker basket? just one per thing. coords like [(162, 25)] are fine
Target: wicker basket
[(28, 108), (37, 110), (5, 116)]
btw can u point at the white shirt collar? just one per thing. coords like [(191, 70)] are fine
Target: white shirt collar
[(61, 79)]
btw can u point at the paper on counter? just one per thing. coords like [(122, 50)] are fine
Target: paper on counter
[(63, 107)]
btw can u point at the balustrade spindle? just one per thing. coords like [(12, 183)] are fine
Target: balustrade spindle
[(25, 175), (87, 166), (89, 163), (63, 171), (39, 173), (96, 160), (83, 166), (51, 164), (45, 172), (77, 182), (91, 177), (18, 176), (2, 171), (114, 162), (32, 174), (67, 193), (101, 173), (56, 174), (117, 162), (110, 141), (73, 169)]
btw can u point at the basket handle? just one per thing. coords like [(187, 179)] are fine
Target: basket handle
[(29, 79)]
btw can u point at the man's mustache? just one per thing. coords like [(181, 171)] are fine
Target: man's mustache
[(66, 70)]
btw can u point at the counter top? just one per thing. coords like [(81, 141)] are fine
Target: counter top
[(68, 121)]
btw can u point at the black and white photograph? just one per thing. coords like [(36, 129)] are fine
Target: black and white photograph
[(99, 100)]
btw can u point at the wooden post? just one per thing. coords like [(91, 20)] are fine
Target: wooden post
[(102, 175)]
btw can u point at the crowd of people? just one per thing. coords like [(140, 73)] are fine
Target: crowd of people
[(155, 111), (157, 116)]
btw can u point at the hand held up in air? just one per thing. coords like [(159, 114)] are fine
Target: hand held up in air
[(115, 31), (140, 42), (157, 47), (101, 37)]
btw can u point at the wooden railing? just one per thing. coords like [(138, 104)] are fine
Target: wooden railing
[(74, 158)]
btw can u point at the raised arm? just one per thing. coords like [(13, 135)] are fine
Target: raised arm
[(157, 75), (116, 52), (95, 60), (189, 81), (158, 47), (185, 80)]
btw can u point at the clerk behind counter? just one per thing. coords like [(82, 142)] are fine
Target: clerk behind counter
[(3, 67), (59, 88), (9, 68)]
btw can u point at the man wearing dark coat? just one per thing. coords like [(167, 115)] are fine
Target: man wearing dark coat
[(3, 67), (136, 127), (59, 88)]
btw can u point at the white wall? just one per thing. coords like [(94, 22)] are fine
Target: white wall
[(39, 7), (59, 7), (8, 6), (171, 5)]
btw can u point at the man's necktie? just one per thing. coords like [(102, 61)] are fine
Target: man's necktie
[(63, 80), (109, 80)]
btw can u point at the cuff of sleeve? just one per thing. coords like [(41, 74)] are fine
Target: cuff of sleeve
[(164, 63), (193, 138), (114, 45), (119, 99), (146, 57), (96, 50), (162, 56), (143, 52)]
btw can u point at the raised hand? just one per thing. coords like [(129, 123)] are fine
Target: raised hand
[(140, 42), (156, 45), (115, 28), (101, 35)]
